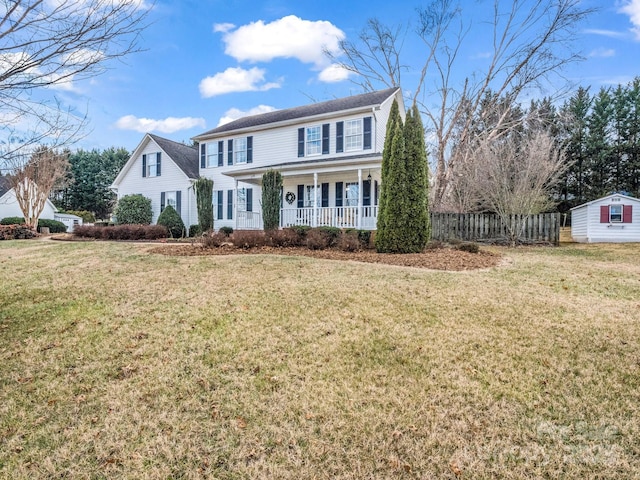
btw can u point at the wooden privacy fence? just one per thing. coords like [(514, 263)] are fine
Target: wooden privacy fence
[(478, 227)]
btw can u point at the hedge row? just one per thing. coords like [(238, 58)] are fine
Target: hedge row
[(54, 226), (15, 232), (122, 232), (319, 238)]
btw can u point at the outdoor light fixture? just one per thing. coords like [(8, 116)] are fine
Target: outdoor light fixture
[(369, 176)]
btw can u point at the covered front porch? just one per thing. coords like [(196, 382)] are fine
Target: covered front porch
[(333, 194)]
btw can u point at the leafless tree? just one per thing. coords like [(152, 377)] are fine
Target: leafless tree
[(531, 40), (33, 179), (47, 45)]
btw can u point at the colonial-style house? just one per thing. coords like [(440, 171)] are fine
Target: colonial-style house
[(163, 171), (329, 155), (614, 218)]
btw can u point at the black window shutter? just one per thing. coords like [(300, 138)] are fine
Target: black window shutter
[(339, 137), (376, 193), (162, 201), (220, 153), (339, 194), (249, 149), (367, 133), (281, 197), (249, 199), (220, 206), (229, 204), (178, 201), (301, 142), (203, 155), (144, 165), (325, 138), (230, 152), (158, 164), (366, 193), (300, 196), (325, 195)]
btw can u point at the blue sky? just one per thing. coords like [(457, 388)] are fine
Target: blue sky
[(207, 60)]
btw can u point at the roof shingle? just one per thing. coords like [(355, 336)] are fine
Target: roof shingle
[(346, 103), (182, 155)]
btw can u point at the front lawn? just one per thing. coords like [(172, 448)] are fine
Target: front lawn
[(120, 363)]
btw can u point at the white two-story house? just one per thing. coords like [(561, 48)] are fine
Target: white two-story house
[(329, 155)]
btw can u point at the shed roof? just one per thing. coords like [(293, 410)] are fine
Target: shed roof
[(627, 197), (5, 185)]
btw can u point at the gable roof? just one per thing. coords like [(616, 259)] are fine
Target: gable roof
[(620, 195), (5, 186), (331, 106), (184, 156)]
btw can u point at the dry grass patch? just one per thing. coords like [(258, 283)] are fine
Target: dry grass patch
[(121, 364)]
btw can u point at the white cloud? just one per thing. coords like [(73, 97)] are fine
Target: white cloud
[(235, 80), (334, 73), (288, 37), (235, 113), (604, 33), (168, 125), (223, 27), (602, 52), (632, 8)]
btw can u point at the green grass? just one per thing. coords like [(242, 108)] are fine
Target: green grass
[(116, 363)]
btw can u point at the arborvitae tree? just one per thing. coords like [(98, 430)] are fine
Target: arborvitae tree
[(170, 218), (271, 197), (417, 228), (381, 239), (204, 202)]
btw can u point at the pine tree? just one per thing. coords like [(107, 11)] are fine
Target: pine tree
[(600, 147)]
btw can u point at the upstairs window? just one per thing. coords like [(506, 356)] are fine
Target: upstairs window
[(240, 150), (151, 165), (212, 154), (353, 135), (313, 140)]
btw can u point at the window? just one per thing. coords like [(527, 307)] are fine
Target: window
[(151, 165), (240, 150), (312, 196), (314, 141), (615, 213), (242, 200), (353, 135), (170, 199), (351, 193), (212, 154), (218, 196)]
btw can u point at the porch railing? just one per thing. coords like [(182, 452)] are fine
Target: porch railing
[(249, 221), (342, 217)]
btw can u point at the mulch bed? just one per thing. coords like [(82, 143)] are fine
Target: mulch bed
[(436, 259)]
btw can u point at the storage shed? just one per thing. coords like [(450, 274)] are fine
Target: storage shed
[(70, 221), (615, 218)]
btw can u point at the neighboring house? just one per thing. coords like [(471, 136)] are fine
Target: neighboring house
[(615, 218), (162, 170), (9, 206), (329, 155)]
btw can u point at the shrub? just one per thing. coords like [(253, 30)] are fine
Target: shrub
[(170, 218), (54, 226), (350, 241), (283, 238), (134, 209), (434, 245), (468, 247), (122, 232), (85, 215), (226, 231), (301, 230), (12, 221), (195, 230), (318, 239), (249, 239), (332, 233), (213, 240), (15, 232), (364, 236)]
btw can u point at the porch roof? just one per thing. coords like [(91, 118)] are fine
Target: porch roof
[(336, 164)]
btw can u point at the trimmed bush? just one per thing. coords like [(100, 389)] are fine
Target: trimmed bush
[(468, 247), (350, 241), (213, 240), (15, 232), (226, 231), (122, 232), (247, 239), (283, 238), (134, 209), (12, 221), (332, 233), (170, 218), (364, 236), (54, 226), (195, 230), (318, 239)]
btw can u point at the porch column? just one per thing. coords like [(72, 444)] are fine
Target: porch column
[(235, 207), (360, 197), (315, 199)]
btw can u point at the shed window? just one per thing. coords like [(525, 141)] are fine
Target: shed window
[(615, 213)]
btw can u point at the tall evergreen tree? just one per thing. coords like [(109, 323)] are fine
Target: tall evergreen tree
[(271, 199), (204, 202), (417, 228), (599, 146), (575, 113)]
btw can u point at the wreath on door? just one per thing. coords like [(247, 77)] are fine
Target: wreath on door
[(290, 197)]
